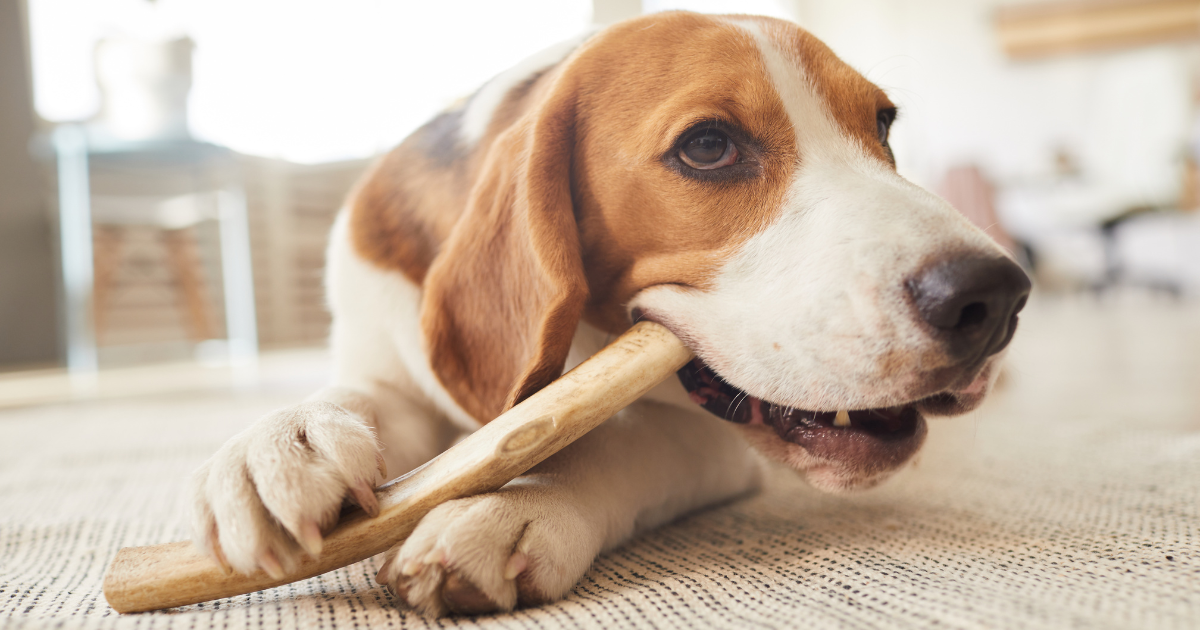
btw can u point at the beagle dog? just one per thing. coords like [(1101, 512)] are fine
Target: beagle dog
[(726, 176)]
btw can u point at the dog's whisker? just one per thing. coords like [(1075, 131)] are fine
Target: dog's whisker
[(737, 402)]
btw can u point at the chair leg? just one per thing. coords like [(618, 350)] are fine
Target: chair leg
[(185, 261), (107, 245)]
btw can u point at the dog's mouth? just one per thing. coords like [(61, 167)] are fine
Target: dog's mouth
[(870, 441)]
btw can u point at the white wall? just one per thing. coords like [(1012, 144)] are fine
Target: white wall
[(1123, 114)]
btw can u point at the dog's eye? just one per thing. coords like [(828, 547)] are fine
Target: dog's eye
[(883, 121), (708, 149)]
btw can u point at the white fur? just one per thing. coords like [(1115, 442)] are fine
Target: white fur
[(372, 305)]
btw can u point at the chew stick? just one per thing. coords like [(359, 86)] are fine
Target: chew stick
[(176, 574)]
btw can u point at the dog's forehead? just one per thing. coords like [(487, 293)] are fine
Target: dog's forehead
[(824, 97), (770, 76), (665, 72)]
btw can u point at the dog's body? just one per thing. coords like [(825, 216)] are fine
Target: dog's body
[(725, 176)]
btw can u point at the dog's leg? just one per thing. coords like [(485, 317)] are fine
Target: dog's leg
[(531, 541), (266, 496)]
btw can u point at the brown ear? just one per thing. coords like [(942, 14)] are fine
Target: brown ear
[(504, 295)]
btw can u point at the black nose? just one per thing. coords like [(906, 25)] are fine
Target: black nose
[(972, 301)]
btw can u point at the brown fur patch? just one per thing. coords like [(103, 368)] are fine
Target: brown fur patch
[(408, 203), (502, 300)]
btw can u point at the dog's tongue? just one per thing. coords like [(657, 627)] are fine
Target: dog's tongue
[(882, 437)]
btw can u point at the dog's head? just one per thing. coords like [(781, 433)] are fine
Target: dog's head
[(730, 178)]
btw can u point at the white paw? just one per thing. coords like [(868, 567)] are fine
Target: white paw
[(523, 545), (266, 496)]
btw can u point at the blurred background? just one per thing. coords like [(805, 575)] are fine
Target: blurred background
[(170, 169)]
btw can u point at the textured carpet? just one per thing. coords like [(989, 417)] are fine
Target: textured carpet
[(1070, 500)]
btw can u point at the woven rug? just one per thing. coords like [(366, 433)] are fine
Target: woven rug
[(1069, 500)]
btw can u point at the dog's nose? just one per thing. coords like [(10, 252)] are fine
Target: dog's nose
[(972, 301)]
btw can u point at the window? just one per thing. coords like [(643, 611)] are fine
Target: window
[(309, 81)]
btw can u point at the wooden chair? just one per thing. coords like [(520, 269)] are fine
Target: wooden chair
[(107, 188)]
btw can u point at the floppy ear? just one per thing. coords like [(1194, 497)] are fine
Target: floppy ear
[(503, 296)]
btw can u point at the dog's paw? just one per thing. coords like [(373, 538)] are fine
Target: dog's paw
[(523, 545), (266, 496)]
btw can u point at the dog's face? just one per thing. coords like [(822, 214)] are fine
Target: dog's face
[(730, 178), (775, 237)]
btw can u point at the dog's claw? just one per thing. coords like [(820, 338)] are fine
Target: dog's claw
[(310, 539), (381, 576), (517, 563), (364, 495), (218, 554), (463, 597), (382, 466), (270, 564)]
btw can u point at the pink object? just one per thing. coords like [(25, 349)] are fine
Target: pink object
[(968, 190)]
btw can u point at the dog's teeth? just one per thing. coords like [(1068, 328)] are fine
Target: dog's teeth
[(842, 419)]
